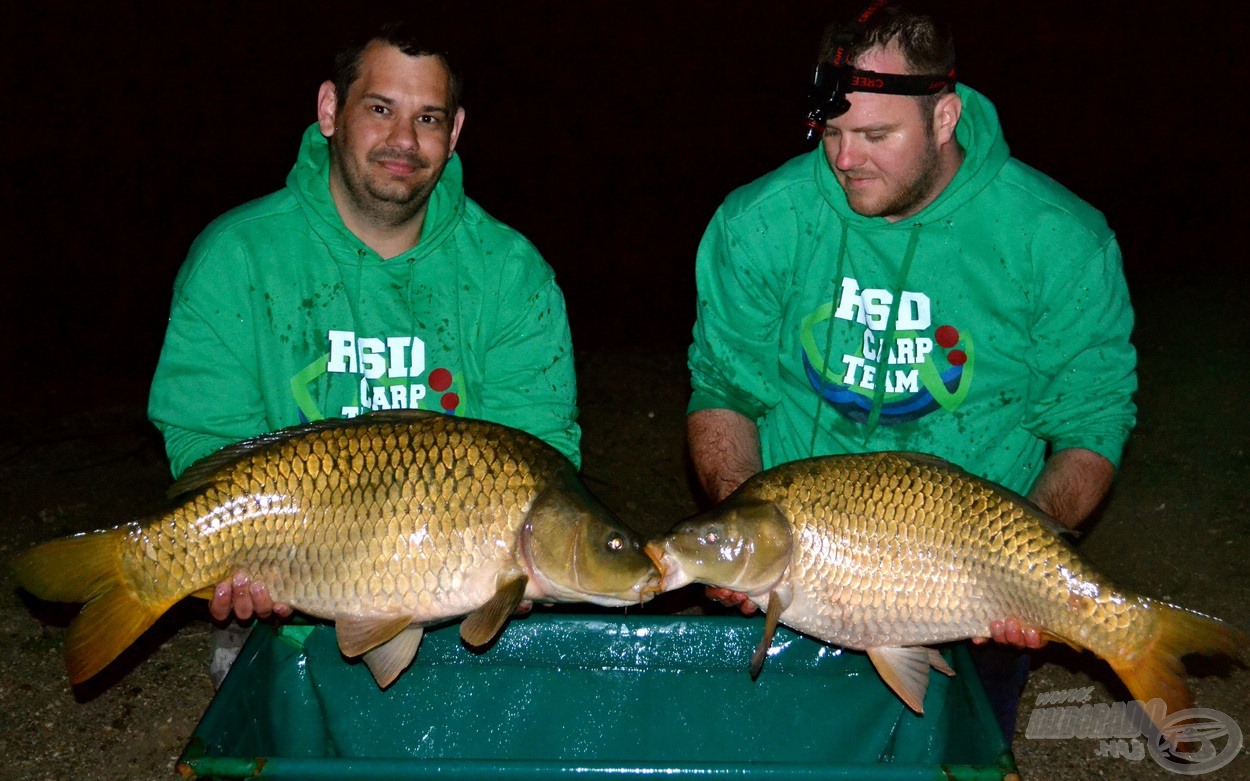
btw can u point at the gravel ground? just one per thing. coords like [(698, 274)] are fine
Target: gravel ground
[(1174, 527)]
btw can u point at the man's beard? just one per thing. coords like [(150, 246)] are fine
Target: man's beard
[(386, 203), (913, 193)]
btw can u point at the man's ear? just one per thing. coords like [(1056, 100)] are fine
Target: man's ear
[(456, 124), (946, 117), (327, 106)]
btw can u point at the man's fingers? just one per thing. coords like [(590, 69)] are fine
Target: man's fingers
[(731, 598), (997, 633), (242, 596), (262, 603), (1033, 638), (1010, 632), (219, 606)]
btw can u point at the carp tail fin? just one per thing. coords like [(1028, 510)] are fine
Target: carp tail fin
[(1157, 671), (87, 568)]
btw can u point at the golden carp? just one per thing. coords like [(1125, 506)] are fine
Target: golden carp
[(383, 524), (891, 552)]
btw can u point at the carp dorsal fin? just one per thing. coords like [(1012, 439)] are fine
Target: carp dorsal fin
[(927, 458), (358, 634), (202, 472), (391, 658), (400, 416), (906, 671), (778, 601), (485, 622)]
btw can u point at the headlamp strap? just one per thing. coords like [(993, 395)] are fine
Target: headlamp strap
[(869, 81), (850, 35), (895, 83)]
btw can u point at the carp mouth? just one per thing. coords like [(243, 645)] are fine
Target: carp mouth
[(672, 574)]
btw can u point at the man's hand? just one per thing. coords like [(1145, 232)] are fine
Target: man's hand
[(241, 597), (1010, 632), (730, 598)]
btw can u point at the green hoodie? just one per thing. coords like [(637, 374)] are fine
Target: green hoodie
[(281, 315), (990, 325)]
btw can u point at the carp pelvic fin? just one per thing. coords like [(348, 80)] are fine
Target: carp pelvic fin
[(391, 658), (358, 634), (484, 623), (87, 568), (938, 663), (906, 671), (777, 603)]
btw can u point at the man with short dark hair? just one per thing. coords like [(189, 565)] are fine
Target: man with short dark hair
[(910, 286), (369, 282)]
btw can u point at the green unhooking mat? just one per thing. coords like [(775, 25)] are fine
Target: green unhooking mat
[(589, 696)]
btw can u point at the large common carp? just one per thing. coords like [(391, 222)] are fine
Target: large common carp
[(891, 552), (382, 524)]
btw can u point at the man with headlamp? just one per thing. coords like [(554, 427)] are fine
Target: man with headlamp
[(911, 286)]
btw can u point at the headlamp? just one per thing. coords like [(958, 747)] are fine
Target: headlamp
[(830, 84), (834, 79)]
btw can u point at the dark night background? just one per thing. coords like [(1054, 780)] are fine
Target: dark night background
[(606, 132)]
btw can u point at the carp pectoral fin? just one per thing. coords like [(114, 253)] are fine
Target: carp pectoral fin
[(484, 623), (391, 658), (778, 601), (358, 634), (906, 672)]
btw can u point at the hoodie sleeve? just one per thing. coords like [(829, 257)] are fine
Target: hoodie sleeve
[(205, 393), (531, 381), (733, 360), (1083, 366)]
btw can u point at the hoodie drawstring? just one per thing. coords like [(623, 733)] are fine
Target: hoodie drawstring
[(820, 397), (886, 345)]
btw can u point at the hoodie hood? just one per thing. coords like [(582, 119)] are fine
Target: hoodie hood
[(985, 152), (309, 180)]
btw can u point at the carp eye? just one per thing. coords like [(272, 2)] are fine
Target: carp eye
[(616, 542), (711, 538)]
